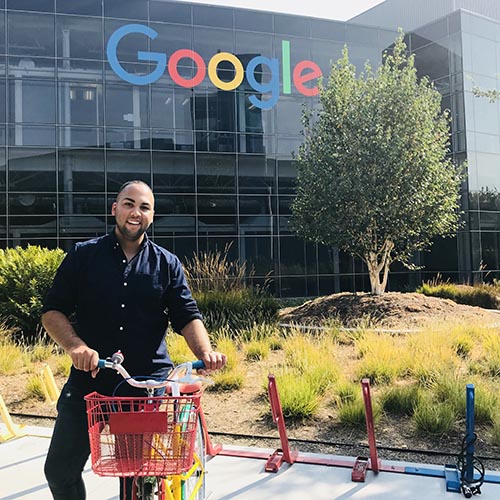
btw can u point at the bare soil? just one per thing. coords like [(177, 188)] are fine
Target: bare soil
[(243, 416)]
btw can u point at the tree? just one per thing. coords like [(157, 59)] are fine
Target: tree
[(374, 176)]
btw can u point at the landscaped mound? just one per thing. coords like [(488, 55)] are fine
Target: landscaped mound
[(390, 310)]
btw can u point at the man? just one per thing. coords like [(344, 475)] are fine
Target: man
[(122, 290)]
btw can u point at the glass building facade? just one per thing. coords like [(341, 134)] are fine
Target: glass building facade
[(219, 156)]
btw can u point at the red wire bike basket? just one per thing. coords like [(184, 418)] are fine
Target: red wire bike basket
[(148, 436)]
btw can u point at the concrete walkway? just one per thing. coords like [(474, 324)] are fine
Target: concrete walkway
[(21, 476)]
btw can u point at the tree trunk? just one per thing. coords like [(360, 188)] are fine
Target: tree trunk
[(378, 264)]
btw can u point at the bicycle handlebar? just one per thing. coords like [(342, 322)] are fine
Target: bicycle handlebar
[(174, 376)]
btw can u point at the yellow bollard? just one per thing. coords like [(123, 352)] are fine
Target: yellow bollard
[(13, 429), (49, 385)]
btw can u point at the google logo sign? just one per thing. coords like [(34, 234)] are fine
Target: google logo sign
[(303, 72)]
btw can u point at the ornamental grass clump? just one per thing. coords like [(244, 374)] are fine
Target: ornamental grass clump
[(401, 399), (431, 417)]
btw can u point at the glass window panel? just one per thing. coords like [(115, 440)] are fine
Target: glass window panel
[(123, 166), (489, 221), (287, 173), (2, 101), (2, 33), (171, 38), (163, 140), (213, 225), (162, 107), (129, 45), (288, 145), (32, 203), (361, 34), (3, 141), (167, 204), (32, 169), (289, 115), (32, 101), (256, 175), (182, 247), (126, 9), (173, 172), (31, 5), (490, 245), (79, 226), (81, 137), (169, 12), (254, 143), (257, 225), (259, 253), (80, 104), (81, 170), (82, 7), (34, 229), (205, 15), (293, 287), (75, 69), (257, 205), (210, 41), (123, 138), (488, 166), (206, 244), (184, 109), (221, 142), (79, 37), (292, 25), (328, 30), (184, 141), (216, 173), (3, 169), (82, 204), (31, 34), (253, 45), (253, 21), (37, 67), (29, 135), (174, 225), (216, 204), (325, 53), (127, 106), (432, 61)]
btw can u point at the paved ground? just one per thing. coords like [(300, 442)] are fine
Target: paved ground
[(21, 476)]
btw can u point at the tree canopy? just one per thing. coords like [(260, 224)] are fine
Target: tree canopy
[(374, 175)]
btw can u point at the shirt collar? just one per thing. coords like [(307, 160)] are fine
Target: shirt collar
[(116, 244)]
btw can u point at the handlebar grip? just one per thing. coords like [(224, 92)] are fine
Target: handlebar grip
[(198, 364), (101, 363)]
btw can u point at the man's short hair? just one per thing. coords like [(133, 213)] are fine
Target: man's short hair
[(128, 183)]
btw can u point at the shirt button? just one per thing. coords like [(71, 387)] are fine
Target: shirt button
[(124, 261), (125, 283), (121, 328), (123, 305)]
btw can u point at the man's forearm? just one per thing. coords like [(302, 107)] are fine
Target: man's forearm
[(60, 330), (197, 338)]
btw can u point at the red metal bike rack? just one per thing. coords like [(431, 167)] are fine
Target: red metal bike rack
[(210, 449), (283, 454), (361, 463)]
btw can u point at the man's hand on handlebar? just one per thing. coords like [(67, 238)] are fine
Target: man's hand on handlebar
[(86, 359), (213, 361)]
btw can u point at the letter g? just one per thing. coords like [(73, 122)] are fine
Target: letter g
[(160, 59)]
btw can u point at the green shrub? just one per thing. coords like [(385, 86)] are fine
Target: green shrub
[(256, 350), (236, 309), (25, 276), (35, 388), (482, 295)]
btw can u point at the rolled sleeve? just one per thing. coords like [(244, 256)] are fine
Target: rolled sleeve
[(182, 307)]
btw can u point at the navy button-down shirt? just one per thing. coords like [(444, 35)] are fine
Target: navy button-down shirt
[(120, 305)]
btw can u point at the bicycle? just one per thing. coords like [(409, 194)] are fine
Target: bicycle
[(156, 440)]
